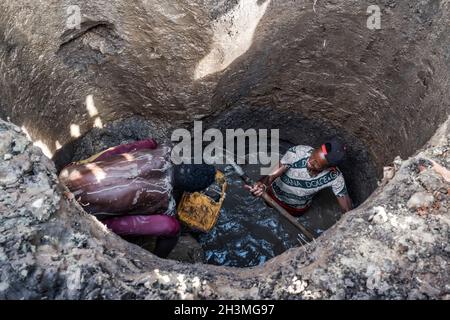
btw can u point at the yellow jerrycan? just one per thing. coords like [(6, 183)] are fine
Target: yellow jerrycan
[(200, 210)]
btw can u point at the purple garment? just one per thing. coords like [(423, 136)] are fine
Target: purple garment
[(138, 182), (129, 147), (153, 225), (134, 178)]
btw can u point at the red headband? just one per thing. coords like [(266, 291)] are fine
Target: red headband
[(324, 149)]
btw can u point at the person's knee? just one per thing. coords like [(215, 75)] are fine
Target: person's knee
[(170, 228)]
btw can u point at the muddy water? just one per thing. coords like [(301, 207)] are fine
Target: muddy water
[(248, 233)]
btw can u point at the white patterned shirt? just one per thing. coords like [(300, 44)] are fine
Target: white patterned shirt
[(296, 187)]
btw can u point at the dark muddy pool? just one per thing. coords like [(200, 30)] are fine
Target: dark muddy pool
[(248, 233)]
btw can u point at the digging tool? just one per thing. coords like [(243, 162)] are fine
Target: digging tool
[(248, 181)]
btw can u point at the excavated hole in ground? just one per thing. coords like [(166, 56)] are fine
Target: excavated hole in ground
[(248, 233)]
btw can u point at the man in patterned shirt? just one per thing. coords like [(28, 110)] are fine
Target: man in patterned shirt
[(302, 172)]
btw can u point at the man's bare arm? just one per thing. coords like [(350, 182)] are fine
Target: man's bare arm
[(259, 187)]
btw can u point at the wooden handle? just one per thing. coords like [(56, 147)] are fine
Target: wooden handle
[(280, 209), (288, 216)]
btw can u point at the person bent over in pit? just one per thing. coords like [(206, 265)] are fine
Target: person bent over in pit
[(130, 188), (303, 172)]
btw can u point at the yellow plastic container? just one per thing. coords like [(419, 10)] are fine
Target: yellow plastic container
[(198, 210)]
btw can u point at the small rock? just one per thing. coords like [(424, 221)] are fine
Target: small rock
[(380, 216), (438, 196), (397, 163), (430, 180), (6, 139), (420, 200), (447, 288), (20, 144), (411, 255), (8, 177), (439, 151), (430, 290), (373, 274), (415, 295), (388, 173), (4, 286), (349, 283), (388, 266), (7, 156)]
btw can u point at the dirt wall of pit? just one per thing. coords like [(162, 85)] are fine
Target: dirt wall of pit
[(175, 61), (172, 63)]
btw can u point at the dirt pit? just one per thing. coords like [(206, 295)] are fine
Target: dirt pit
[(312, 70), (248, 233)]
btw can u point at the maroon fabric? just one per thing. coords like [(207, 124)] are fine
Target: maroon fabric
[(134, 178), (138, 182), (130, 147), (153, 225), (296, 212)]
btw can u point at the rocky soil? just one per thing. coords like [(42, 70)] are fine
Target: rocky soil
[(395, 246), (310, 68)]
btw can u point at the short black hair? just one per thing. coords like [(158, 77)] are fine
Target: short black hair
[(193, 177), (335, 151)]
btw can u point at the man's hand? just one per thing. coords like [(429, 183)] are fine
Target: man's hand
[(257, 189), (260, 187)]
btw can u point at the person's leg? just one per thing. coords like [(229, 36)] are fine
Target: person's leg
[(166, 228), (151, 225), (164, 245)]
